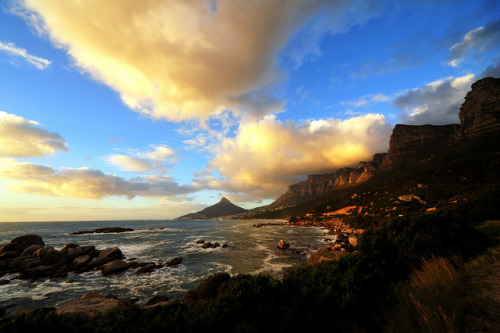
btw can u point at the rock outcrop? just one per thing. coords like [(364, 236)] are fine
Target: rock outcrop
[(92, 303), (223, 208), (106, 230), (479, 114), (28, 257)]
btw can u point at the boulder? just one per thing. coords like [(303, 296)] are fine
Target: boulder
[(111, 253), (216, 244), (11, 247), (8, 255), (283, 245), (28, 252), (81, 261), (28, 240), (200, 241), (53, 256), (174, 261), (115, 266), (207, 245), (156, 301), (325, 254), (93, 303), (4, 282), (146, 269), (353, 241), (39, 271), (224, 245), (66, 247)]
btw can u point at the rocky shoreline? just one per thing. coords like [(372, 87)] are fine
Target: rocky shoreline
[(345, 242), (28, 256)]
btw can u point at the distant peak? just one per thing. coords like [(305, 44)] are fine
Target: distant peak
[(224, 200)]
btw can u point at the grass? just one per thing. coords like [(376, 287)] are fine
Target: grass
[(448, 295)]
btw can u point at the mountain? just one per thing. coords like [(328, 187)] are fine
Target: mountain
[(223, 208), (412, 149)]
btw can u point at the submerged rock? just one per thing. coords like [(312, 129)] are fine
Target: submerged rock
[(283, 245)]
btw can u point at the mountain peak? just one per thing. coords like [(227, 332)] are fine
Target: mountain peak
[(224, 200), (223, 208)]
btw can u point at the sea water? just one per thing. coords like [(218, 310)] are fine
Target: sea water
[(250, 250)]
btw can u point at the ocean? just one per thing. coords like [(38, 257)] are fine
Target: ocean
[(250, 251)]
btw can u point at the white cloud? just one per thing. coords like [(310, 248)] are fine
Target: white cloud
[(366, 100), (186, 60), (475, 41), (436, 103), (20, 137), (13, 50)]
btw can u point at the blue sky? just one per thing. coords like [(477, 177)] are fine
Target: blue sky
[(154, 109)]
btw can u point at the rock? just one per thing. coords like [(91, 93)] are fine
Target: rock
[(108, 255), (353, 241), (70, 281), (106, 230), (207, 245), (80, 232), (28, 252), (8, 255), (3, 264), (53, 256), (325, 254), (157, 299), (28, 240), (410, 197), (146, 269), (216, 244), (2, 311), (174, 261), (283, 245), (200, 241), (480, 113), (4, 282), (81, 261), (11, 247), (66, 247), (224, 245), (93, 303), (115, 266), (39, 271)]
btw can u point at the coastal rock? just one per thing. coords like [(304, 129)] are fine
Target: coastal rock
[(325, 254), (174, 261), (66, 247), (28, 252), (28, 240), (108, 255), (106, 230), (115, 266), (159, 300), (353, 241), (92, 303), (283, 245), (148, 268), (11, 247)]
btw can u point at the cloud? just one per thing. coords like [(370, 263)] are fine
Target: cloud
[(492, 70), (148, 162), (189, 60), (436, 103), (478, 40), (86, 183), (268, 155), (366, 100), (13, 50), (20, 137)]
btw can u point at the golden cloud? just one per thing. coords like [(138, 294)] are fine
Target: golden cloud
[(192, 58), (20, 137), (267, 156), (152, 161), (86, 183)]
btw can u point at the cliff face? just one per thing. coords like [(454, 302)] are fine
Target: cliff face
[(480, 113)]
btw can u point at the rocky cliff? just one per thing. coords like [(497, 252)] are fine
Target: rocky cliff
[(223, 208), (479, 114)]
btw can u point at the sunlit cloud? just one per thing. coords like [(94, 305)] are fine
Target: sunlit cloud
[(266, 156), (20, 53), (86, 183), (436, 103), (474, 42), (152, 161), (21, 137), (188, 60)]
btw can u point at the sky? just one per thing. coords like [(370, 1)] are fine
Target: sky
[(125, 110)]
